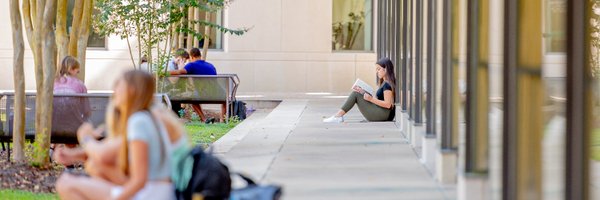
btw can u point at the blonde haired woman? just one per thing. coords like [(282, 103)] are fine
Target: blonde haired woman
[(139, 142)]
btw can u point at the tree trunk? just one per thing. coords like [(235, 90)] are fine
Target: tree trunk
[(19, 81), (181, 37), (74, 35), (206, 37), (196, 27), (130, 52), (150, 36), (34, 14), (190, 27), (42, 138), (84, 34), (170, 43), (62, 40), (38, 62), (138, 35), (174, 36)]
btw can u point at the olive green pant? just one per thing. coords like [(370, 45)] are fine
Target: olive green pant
[(369, 110)]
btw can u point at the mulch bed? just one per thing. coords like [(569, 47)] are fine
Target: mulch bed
[(22, 176)]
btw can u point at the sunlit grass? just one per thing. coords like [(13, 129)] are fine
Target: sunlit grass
[(596, 144), (201, 133), (20, 194)]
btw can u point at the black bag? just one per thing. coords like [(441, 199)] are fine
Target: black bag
[(256, 192), (210, 178), (238, 108)]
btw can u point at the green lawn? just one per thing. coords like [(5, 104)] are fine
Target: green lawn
[(19, 194), (201, 133), (596, 144)]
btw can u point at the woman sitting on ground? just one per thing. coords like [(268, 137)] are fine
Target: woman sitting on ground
[(374, 109), (133, 162)]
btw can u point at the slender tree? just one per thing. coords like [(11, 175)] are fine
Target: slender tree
[(74, 43), (206, 37), (190, 19), (84, 33), (62, 39), (39, 17), (19, 81), (153, 22), (40, 31)]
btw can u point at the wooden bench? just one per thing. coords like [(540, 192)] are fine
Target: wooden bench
[(69, 112), (201, 89)]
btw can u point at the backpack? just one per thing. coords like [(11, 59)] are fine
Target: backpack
[(238, 108), (254, 191), (209, 177)]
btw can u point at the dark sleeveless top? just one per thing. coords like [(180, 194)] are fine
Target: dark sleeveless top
[(386, 86)]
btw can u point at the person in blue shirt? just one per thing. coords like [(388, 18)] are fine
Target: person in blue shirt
[(197, 66)]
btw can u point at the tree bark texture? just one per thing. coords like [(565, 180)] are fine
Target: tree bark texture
[(181, 36), (19, 81), (196, 27), (43, 129), (62, 40), (190, 37), (206, 37), (74, 35), (84, 34), (38, 7)]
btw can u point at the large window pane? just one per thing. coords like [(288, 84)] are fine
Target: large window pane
[(554, 31), (214, 37), (352, 25), (554, 107), (95, 40)]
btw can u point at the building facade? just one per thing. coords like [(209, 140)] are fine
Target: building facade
[(288, 49)]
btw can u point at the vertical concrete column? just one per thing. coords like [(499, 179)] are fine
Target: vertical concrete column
[(430, 139), (473, 175), (447, 157), (524, 97)]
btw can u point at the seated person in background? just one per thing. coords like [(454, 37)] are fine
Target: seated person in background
[(179, 60), (196, 66), (69, 112), (182, 59), (144, 63)]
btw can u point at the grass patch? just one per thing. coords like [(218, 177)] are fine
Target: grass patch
[(596, 144), (19, 194), (201, 133)]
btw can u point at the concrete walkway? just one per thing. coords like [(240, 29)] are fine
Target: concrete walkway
[(312, 160)]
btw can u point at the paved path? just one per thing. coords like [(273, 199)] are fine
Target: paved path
[(313, 160)]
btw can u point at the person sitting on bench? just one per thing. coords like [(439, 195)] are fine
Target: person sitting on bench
[(196, 66), (69, 112)]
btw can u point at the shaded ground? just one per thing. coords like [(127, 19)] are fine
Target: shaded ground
[(22, 176)]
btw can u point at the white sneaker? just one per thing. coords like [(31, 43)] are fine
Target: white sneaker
[(334, 119)]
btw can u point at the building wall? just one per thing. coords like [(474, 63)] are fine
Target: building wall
[(287, 50)]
